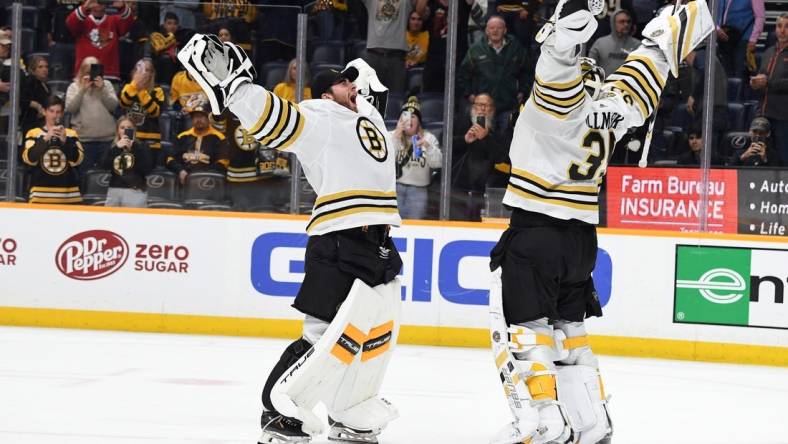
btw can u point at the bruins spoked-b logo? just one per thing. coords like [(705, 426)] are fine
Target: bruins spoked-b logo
[(244, 140), (371, 139), (122, 163), (54, 161)]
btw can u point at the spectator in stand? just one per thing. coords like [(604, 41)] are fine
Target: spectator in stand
[(92, 103), (604, 23), (183, 9), (519, 17), (286, 88), (760, 151), (34, 93), (98, 34), (611, 50), (772, 78), (128, 161), (418, 41), (237, 15), (224, 35), (142, 100), (387, 23), (740, 23), (330, 18), (695, 100), (53, 152), (418, 152), (54, 18), (5, 78), (691, 153), (257, 179), (183, 89), (200, 148), (480, 157), (497, 65), (164, 46), (437, 26)]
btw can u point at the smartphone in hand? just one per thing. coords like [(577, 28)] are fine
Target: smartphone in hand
[(481, 121), (96, 70), (129, 132)]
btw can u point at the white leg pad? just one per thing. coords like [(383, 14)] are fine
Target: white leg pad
[(355, 402), (580, 390), (355, 337)]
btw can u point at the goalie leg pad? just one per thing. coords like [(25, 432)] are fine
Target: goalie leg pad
[(524, 357), (321, 373), (677, 34), (355, 402), (580, 390), (219, 68)]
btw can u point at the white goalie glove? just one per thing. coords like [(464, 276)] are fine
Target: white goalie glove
[(219, 68), (368, 85)]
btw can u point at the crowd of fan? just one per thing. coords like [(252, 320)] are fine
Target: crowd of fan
[(103, 84)]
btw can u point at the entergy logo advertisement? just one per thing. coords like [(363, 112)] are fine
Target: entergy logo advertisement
[(92, 255), (731, 286)]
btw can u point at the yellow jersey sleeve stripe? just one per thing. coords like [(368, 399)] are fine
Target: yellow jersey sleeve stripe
[(263, 117), (576, 206), (295, 134), (637, 77), (356, 193), (624, 87), (557, 187), (284, 116), (648, 65), (560, 86), (568, 102)]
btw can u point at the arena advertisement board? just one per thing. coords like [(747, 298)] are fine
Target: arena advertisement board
[(763, 201), (669, 199), (731, 286), (238, 274)]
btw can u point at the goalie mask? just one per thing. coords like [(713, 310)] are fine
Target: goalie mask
[(368, 84), (593, 76)]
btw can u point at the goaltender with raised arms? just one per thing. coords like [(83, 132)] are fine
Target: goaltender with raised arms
[(542, 285), (350, 295)]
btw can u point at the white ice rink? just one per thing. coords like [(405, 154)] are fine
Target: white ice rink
[(91, 387)]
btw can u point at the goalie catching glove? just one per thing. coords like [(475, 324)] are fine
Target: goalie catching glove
[(219, 68)]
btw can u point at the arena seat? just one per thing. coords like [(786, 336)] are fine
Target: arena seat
[(95, 183), (736, 117), (732, 141), (162, 186), (272, 73), (204, 188), (329, 52), (734, 89)]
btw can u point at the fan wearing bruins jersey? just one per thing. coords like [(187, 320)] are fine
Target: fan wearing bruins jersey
[(53, 152), (257, 177), (142, 100), (341, 141), (562, 142), (200, 148)]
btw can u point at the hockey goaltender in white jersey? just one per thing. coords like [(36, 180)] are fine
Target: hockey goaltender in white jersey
[(542, 287), (350, 295), (345, 155)]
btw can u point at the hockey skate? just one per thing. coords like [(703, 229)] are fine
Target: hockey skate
[(342, 433), (278, 429), (219, 68), (553, 428)]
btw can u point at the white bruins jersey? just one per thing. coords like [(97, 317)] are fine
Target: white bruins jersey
[(563, 139), (347, 156)]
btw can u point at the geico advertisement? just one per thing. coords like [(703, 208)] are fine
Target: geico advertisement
[(441, 266)]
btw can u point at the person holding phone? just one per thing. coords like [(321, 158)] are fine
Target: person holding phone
[(418, 152), (129, 161), (53, 152), (479, 157), (142, 100), (760, 151), (91, 101)]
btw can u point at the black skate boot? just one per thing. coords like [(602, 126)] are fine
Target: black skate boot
[(342, 433), (278, 429)]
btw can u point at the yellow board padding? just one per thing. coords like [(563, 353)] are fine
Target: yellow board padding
[(409, 334)]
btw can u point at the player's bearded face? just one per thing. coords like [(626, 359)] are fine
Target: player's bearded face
[(344, 93)]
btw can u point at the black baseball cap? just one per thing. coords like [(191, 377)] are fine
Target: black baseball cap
[(325, 79)]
